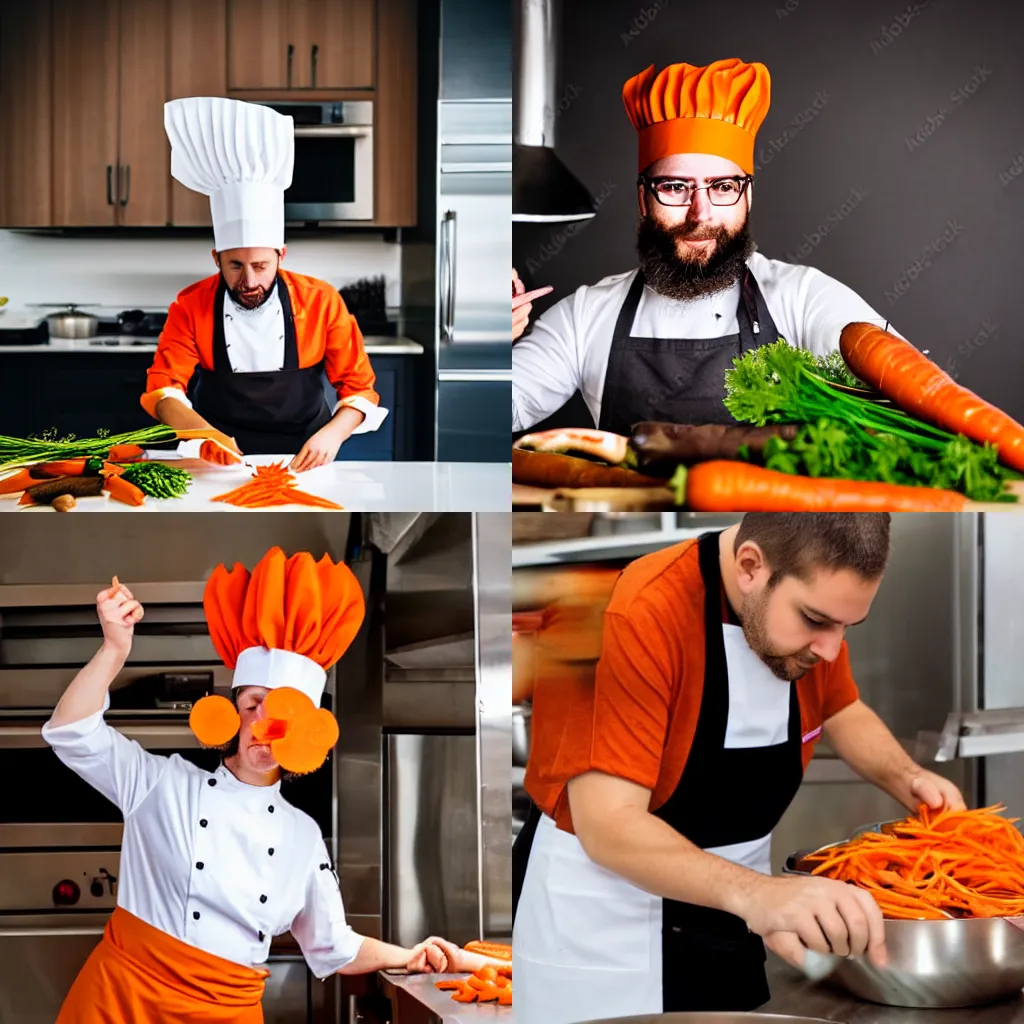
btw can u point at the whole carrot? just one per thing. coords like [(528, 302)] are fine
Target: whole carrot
[(741, 487), (911, 380)]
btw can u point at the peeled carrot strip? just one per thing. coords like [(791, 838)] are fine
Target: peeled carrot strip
[(123, 490)]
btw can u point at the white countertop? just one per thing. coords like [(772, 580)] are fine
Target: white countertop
[(358, 486), (375, 346), (440, 1003)]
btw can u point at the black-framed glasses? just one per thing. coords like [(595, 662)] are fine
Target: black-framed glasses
[(678, 192)]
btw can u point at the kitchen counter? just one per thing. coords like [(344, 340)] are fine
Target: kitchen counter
[(358, 486), (792, 993), (375, 345), (416, 1001)]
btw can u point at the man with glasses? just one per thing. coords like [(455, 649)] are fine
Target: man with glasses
[(654, 343)]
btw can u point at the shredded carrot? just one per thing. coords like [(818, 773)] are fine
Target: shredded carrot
[(273, 485), (935, 865), (487, 985)]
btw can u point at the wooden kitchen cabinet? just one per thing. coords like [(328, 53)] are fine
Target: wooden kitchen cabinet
[(110, 154), (289, 45), (85, 112), (26, 83), (198, 67)]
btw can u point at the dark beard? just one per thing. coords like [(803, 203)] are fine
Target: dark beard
[(782, 666), (249, 301), (677, 278)]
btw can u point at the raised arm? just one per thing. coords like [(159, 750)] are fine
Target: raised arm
[(118, 612), (115, 766)]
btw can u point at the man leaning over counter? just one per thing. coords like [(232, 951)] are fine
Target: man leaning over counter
[(654, 343), (261, 337), (644, 867)]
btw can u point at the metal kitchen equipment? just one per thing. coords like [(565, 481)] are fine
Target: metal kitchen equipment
[(543, 188), (932, 964), (332, 180), (71, 322), (437, 722), (473, 253)]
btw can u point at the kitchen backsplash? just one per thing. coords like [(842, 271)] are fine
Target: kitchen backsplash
[(148, 273)]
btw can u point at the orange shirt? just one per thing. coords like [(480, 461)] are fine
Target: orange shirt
[(636, 715), (324, 331)]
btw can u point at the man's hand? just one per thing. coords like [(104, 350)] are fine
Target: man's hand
[(428, 958), (935, 791), (462, 961), (522, 304), (822, 914), (320, 449), (210, 451), (118, 612)]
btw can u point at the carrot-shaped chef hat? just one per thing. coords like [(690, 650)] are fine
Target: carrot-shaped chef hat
[(715, 109), (280, 627)]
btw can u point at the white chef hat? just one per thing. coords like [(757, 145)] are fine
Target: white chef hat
[(239, 154)]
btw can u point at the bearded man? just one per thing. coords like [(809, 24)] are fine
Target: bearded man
[(654, 343)]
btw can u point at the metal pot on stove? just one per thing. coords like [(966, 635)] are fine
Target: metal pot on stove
[(72, 323)]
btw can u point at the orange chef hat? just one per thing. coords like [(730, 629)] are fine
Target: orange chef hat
[(280, 627), (686, 109)]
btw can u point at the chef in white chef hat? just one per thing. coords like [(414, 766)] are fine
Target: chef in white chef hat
[(259, 338)]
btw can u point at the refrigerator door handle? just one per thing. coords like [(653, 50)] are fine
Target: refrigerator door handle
[(448, 276)]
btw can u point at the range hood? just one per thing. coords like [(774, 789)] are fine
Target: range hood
[(544, 190)]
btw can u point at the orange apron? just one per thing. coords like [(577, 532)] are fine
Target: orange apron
[(141, 975)]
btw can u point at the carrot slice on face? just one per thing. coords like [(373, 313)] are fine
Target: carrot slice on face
[(297, 755), (214, 720)]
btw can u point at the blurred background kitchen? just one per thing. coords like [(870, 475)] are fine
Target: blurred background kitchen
[(944, 640), (414, 802), (401, 198)]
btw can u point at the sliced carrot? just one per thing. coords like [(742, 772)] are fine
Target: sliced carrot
[(123, 490), (295, 754), (17, 482)]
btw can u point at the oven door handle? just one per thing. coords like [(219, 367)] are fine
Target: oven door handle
[(333, 131), (149, 737)]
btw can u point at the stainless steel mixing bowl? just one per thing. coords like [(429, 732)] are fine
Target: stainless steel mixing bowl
[(967, 962), (712, 1018)]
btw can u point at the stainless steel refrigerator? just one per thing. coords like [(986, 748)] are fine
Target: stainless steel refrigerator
[(473, 327)]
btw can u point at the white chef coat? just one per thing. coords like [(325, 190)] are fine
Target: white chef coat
[(210, 860), (255, 342), (587, 942), (568, 347)]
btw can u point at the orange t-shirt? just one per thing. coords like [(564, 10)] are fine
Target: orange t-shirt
[(325, 332), (636, 715)]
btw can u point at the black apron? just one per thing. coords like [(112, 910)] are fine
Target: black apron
[(269, 412), (710, 961), (677, 380)]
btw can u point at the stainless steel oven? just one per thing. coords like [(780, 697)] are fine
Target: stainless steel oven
[(60, 840), (333, 176)]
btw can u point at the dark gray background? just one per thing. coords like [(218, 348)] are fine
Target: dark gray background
[(924, 120)]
